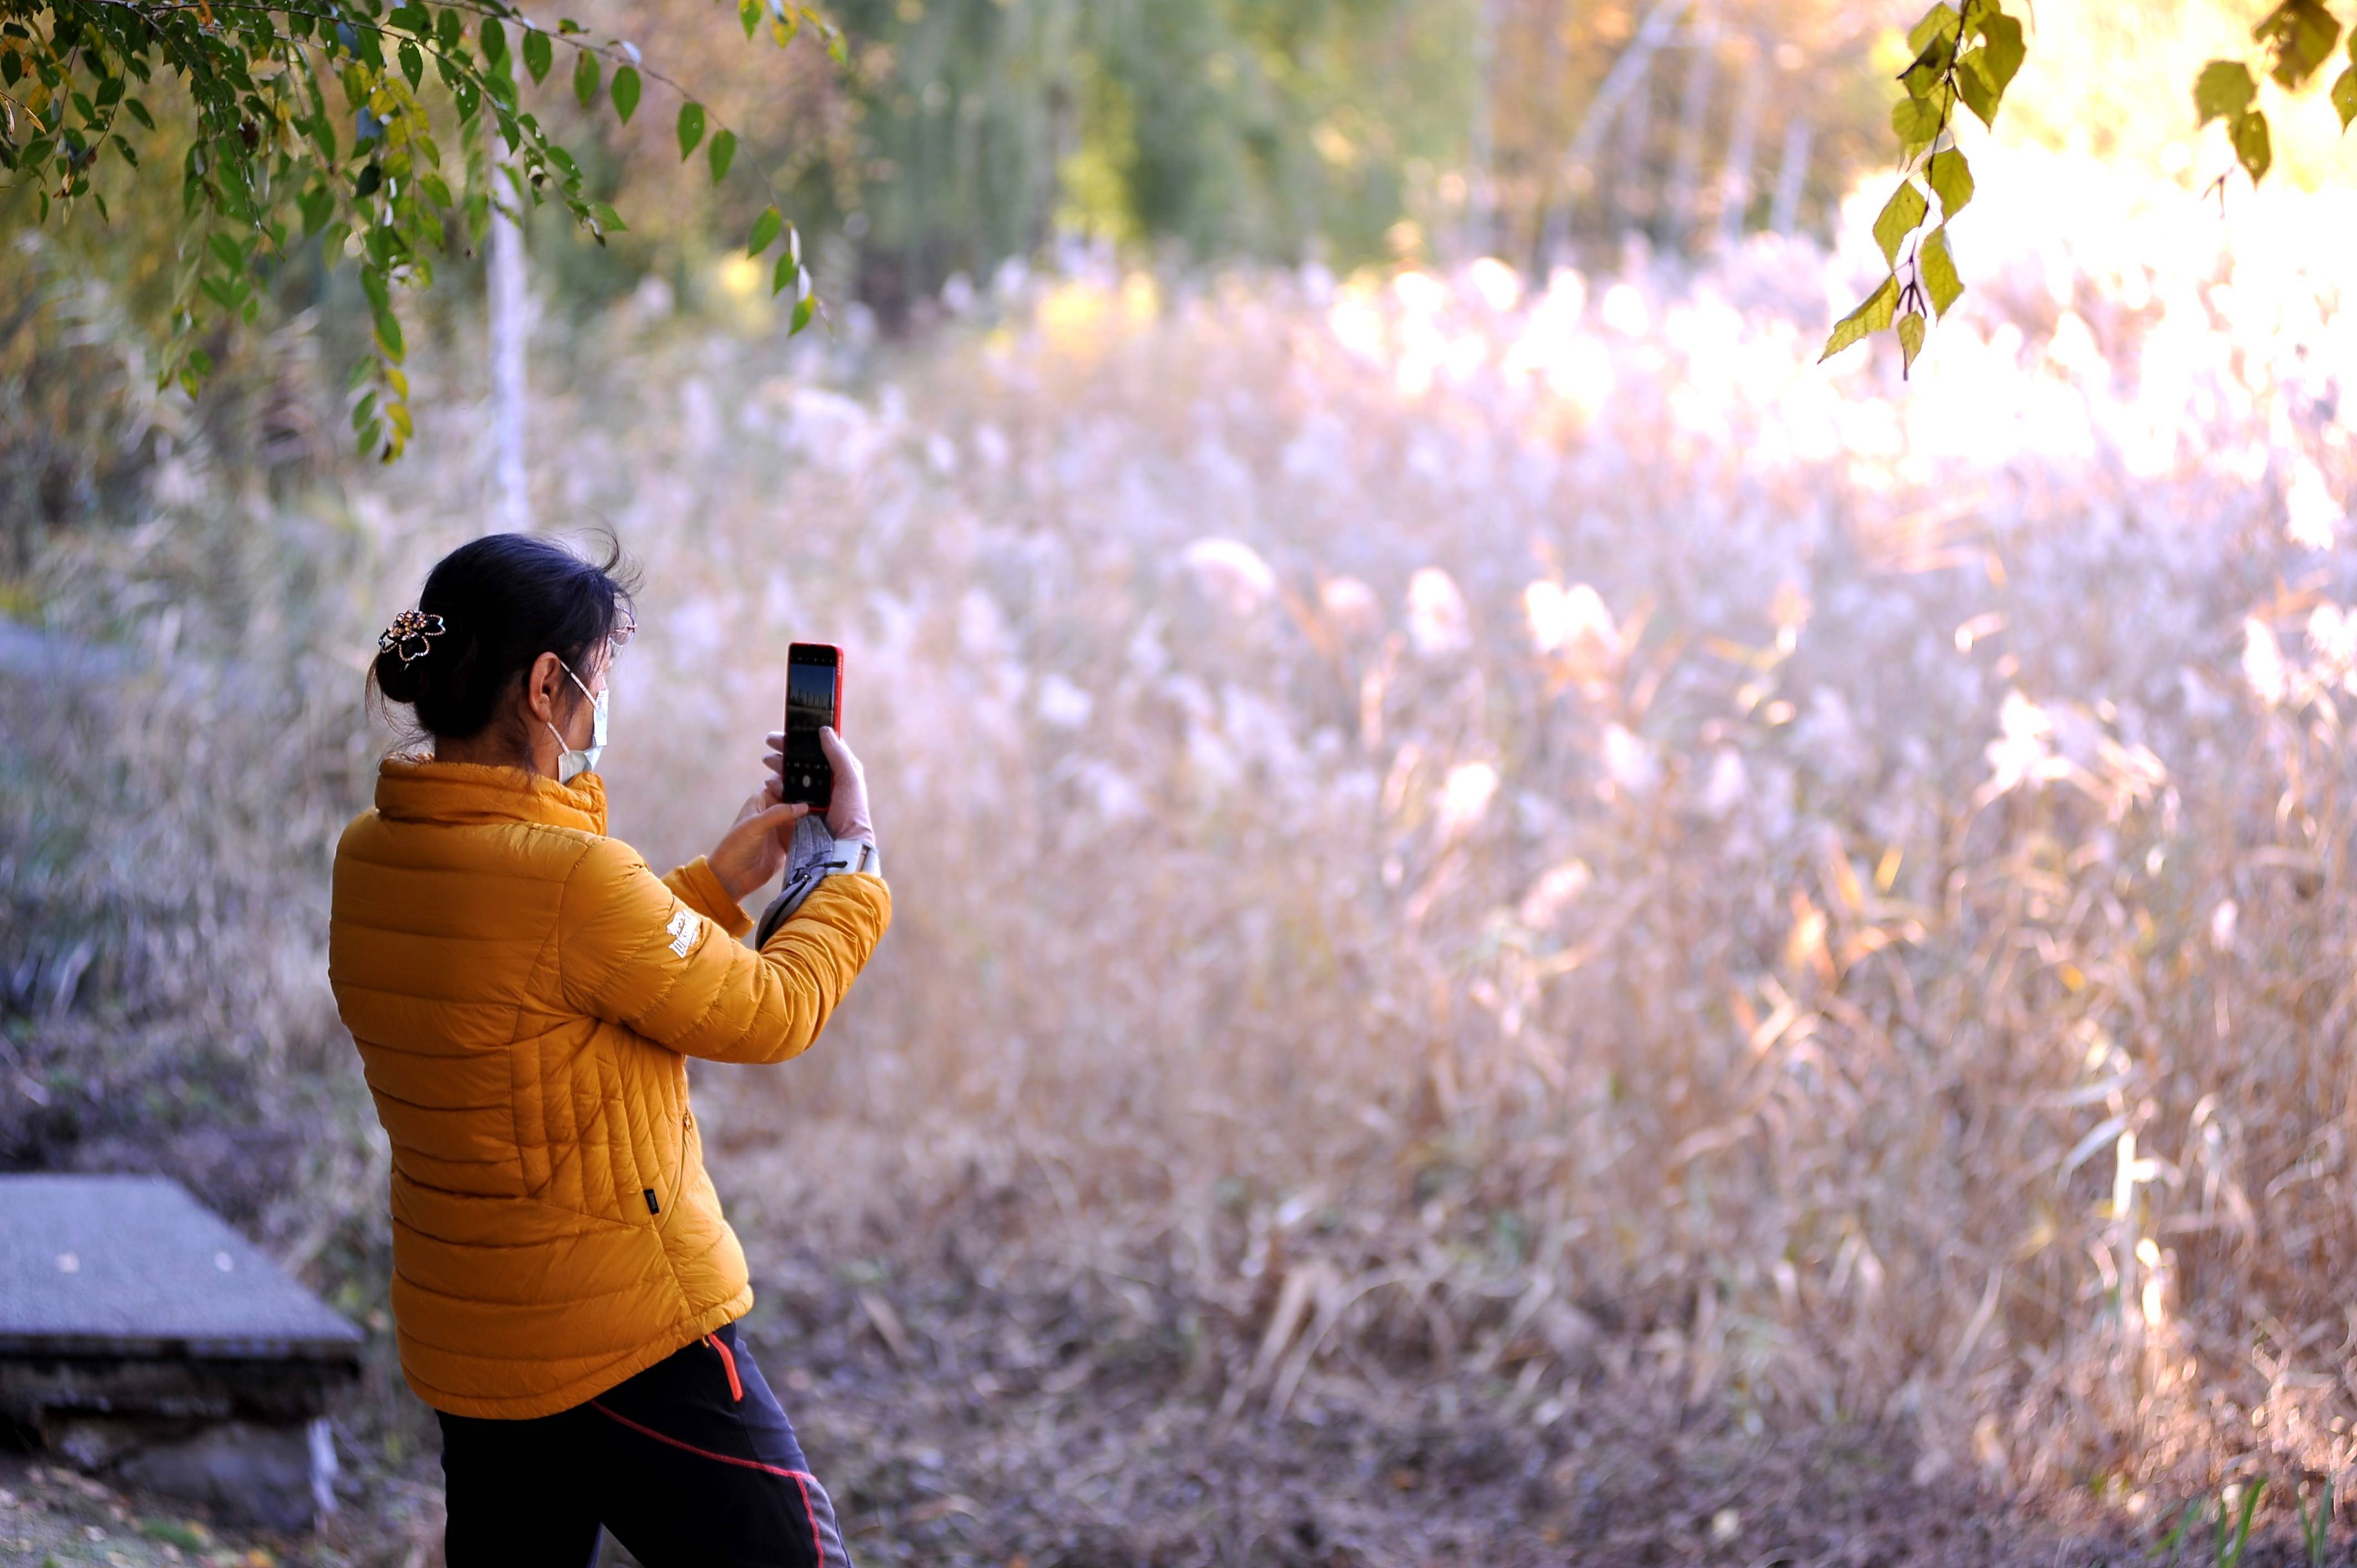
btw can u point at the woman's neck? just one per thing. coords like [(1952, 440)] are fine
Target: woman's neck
[(496, 748)]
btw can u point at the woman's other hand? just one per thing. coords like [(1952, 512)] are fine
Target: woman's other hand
[(753, 849), (847, 812)]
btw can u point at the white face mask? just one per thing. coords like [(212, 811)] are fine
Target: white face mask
[(570, 764)]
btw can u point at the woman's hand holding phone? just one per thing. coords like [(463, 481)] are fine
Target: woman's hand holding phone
[(846, 813), (753, 850)]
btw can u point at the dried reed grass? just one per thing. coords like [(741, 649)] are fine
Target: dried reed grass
[(1440, 826)]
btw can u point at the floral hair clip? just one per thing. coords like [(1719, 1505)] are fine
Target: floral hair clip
[(411, 635)]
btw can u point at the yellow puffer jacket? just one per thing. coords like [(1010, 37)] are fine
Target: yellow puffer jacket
[(525, 994)]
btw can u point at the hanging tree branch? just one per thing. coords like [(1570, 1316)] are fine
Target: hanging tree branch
[(1970, 55), (265, 154)]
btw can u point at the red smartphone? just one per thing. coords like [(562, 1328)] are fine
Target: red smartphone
[(814, 701)]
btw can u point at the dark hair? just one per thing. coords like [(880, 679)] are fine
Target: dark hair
[(504, 599)]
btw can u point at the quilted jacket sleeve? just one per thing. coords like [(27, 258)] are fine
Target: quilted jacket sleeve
[(632, 951), (698, 887)]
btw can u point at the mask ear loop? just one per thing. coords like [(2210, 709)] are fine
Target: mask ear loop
[(565, 748)]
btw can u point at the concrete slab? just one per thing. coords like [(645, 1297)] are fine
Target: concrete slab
[(143, 1337), (132, 1266)]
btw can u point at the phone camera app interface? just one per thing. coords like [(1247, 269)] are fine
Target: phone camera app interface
[(809, 702)]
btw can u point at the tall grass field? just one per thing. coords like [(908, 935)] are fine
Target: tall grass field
[(1456, 837)]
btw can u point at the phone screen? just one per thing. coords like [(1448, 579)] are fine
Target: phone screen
[(810, 704)]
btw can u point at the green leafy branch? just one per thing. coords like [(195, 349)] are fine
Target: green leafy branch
[(269, 166), (1969, 57), (2299, 35)]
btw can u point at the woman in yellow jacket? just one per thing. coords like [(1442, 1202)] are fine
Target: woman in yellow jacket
[(525, 994)]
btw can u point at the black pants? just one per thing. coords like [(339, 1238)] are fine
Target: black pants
[(691, 1464)]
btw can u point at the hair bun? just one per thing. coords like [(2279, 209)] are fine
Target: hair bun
[(400, 682)]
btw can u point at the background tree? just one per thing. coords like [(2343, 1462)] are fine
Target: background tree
[(303, 125)]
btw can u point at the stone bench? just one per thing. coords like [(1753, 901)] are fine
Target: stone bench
[(141, 1337)]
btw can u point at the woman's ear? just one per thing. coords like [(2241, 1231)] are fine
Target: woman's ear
[(543, 689)]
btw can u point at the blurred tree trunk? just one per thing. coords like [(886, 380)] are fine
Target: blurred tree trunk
[(510, 309), (1791, 176), (1626, 79), (1634, 196), (1553, 194), (1675, 221), (1481, 194), (1743, 143)]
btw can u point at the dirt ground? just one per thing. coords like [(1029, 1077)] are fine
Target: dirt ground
[(942, 1450)]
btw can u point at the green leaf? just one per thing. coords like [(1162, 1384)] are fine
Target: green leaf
[(1910, 342), (765, 230), (1917, 122), (626, 92), (1935, 269), (2001, 52), (2223, 90), (495, 42), (803, 314), (787, 270), (607, 219), (1921, 77), (450, 28), (584, 78), (1871, 317), (317, 204), (412, 62), (1900, 216), (138, 112), (721, 153), (2345, 95), (538, 54), (2251, 144), (691, 128), (1952, 182), (1973, 86), (2300, 35), (388, 335), (1940, 22)]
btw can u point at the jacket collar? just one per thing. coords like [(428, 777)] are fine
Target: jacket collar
[(415, 788)]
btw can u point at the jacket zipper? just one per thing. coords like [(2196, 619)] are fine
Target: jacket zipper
[(660, 1209), (679, 1178)]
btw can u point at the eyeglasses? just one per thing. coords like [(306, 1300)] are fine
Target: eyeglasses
[(619, 638)]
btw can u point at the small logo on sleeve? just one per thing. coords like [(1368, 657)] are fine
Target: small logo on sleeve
[(685, 927)]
